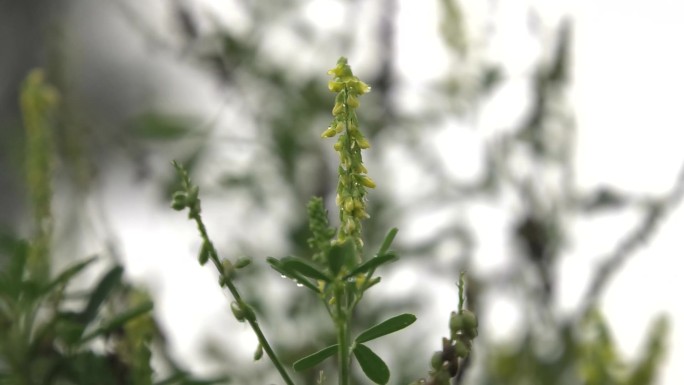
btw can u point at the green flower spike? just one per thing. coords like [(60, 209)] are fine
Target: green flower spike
[(353, 181)]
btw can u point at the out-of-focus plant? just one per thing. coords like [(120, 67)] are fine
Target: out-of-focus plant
[(52, 331)]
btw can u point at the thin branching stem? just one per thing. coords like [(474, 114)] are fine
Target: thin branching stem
[(195, 215)]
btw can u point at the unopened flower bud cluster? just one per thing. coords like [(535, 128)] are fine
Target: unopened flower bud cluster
[(351, 187)]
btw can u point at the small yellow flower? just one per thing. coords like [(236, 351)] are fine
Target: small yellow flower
[(335, 86), (363, 143), (329, 133), (338, 109), (349, 205), (352, 101), (366, 181)]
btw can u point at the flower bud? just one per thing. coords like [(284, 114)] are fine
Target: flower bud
[(361, 87), (352, 101), (462, 349), (335, 86), (204, 253), (237, 311), (366, 181), (243, 262), (350, 226), (339, 127), (329, 133), (469, 323), (258, 353), (363, 143), (361, 214), (179, 200), (338, 109), (436, 360), (349, 205), (455, 323), (228, 268)]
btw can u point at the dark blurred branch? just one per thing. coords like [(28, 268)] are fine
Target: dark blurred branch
[(654, 213)]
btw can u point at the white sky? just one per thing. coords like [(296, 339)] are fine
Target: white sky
[(629, 77)]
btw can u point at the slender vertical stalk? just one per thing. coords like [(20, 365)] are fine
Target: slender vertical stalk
[(342, 324)]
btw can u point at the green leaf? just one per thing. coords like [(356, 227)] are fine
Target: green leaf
[(315, 358), (305, 268), (340, 255), (121, 320), (102, 291), (373, 366), (278, 266), (388, 241), (11, 280), (18, 260), (160, 127), (386, 327), (65, 276), (372, 264)]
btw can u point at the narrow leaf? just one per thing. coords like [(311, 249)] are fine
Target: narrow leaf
[(67, 274), (373, 366), (386, 327), (278, 266), (102, 292), (315, 358), (120, 320), (305, 268), (372, 264), (388, 241)]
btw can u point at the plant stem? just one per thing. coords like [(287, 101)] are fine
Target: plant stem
[(342, 324), (213, 255)]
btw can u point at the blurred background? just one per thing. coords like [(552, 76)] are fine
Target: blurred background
[(535, 144)]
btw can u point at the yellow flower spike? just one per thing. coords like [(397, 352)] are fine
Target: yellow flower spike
[(353, 181)]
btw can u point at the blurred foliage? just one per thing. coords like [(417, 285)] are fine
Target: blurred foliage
[(578, 354), (52, 331)]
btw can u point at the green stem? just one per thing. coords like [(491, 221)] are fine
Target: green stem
[(233, 290), (342, 324)]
